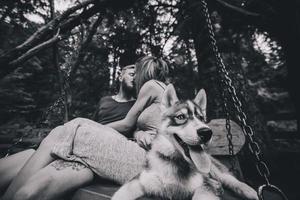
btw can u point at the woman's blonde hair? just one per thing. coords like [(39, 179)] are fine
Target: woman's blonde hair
[(150, 67)]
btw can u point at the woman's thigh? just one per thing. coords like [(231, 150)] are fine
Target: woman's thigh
[(109, 153), (56, 179), (11, 165)]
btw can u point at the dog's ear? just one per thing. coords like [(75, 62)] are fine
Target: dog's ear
[(201, 101), (169, 97)]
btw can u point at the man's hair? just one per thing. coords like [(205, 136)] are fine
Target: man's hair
[(123, 70)]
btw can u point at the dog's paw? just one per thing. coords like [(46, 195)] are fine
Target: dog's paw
[(248, 192), (214, 186)]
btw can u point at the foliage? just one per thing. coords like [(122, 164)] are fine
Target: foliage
[(15, 12)]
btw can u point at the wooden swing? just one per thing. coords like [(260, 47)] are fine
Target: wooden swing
[(104, 189)]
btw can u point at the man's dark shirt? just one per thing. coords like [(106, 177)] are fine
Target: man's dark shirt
[(111, 110)]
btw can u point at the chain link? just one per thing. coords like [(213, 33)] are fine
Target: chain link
[(57, 103), (13, 145), (241, 116)]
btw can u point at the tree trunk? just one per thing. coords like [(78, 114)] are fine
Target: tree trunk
[(82, 49), (55, 52), (290, 37)]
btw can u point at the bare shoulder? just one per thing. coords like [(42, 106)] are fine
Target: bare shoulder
[(153, 85), (152, 90)]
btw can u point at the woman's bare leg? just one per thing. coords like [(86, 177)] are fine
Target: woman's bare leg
[(55, 180), (41, 158), (11, 165)]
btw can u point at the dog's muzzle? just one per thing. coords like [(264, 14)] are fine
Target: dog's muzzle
[(204, 134)]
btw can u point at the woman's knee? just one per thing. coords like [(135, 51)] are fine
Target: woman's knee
[(51, 139), (26, 154), (78, 120), (29, 152)]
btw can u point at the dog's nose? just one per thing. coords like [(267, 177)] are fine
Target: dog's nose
[(205, 134)]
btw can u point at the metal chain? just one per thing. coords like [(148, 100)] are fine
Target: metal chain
[(57, 103), (247, 130), (229, 134), (254, 148)]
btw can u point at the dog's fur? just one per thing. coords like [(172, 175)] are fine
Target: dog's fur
[(177, 166)]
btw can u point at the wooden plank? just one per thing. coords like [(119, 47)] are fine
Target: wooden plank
[(282, 115), (101, 190), (6, 139), (5, 146), (29, 141), (286, 145), (219, 143)]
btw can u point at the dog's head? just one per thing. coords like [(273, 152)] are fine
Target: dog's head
[(183, 124)]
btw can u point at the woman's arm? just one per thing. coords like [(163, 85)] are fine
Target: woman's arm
[(146, 96)]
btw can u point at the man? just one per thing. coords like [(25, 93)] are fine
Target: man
[(114, 108)]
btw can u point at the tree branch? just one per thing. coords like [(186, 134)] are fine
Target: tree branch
[(37, 48), (53, 23), (40, 34), (76, 20), (238, 9)]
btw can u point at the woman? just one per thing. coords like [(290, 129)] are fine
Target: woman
[(70, 155)]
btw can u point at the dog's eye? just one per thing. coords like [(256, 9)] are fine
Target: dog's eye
[(180, 119)]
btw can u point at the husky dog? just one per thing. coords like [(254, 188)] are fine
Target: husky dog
[(177, 166)]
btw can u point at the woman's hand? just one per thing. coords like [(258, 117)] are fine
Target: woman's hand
[(144, 139)]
